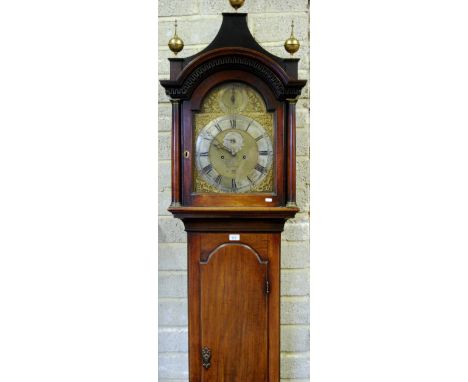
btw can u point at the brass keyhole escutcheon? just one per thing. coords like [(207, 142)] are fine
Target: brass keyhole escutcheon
[(206, 357), (186, 154)]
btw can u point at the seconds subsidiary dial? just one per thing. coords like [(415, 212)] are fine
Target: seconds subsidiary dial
[(233, 153)]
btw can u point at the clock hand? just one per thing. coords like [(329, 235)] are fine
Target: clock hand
[(219, 145), (233, 96)]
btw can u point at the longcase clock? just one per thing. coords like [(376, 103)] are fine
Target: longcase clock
[(233, 186)]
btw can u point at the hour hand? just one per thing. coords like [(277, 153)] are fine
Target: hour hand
[(219, 145)]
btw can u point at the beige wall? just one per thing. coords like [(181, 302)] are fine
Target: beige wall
[(199, 21)]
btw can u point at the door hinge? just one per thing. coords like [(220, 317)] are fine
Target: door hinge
[(267, 287)]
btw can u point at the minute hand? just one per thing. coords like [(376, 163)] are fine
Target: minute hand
[(219, 145)]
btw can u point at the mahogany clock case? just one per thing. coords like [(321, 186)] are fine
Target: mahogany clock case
[(234, 239)]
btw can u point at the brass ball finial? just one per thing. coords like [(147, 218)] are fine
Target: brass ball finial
[(292, 44), (175, 43), (236, 4)]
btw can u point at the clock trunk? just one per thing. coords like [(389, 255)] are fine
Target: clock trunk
[(234, 300)]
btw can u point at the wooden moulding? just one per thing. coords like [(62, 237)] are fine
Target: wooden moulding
[(234, 219), (175, 155), (234, 212), (291, 154)]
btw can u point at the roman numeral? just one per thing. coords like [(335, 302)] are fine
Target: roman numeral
[(250, 180), (218, 179), (205, 154), (218, 127), (248, 126), (260, 168), (233, 185), (208, 136), (208, 169), (260, 137), (264, 152), (233, 123)]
